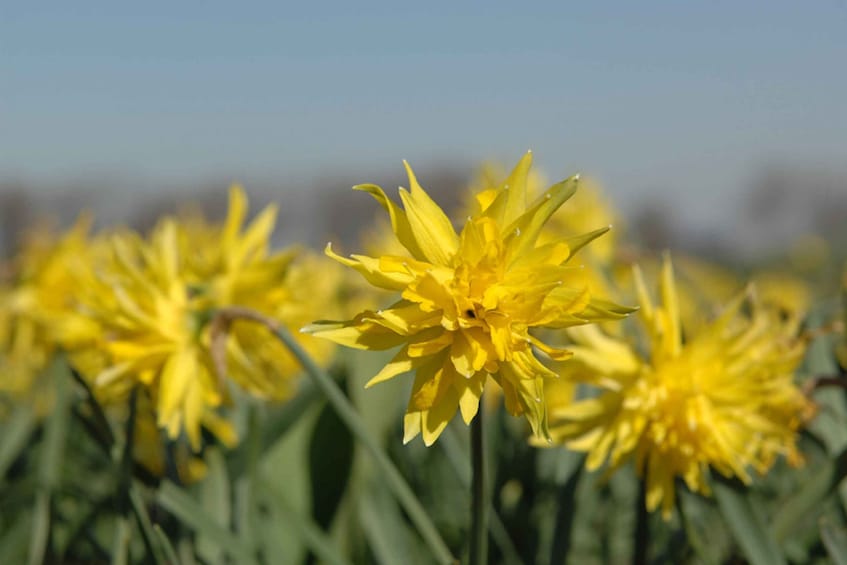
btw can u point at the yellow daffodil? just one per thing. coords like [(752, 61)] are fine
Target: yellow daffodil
[(469, 300), (238, 268), (152, 331), (37, 309), (154, 299), (723, 398)]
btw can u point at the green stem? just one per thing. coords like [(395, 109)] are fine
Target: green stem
[(351, 419), (479, 493)]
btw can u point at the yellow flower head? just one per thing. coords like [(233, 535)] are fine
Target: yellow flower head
[(469, 300), (154, 299), (152, 332), (36, 309), (723, 399)]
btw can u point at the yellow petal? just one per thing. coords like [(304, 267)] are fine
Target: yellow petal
[(520, 235), (411, 426), (670, 303), (399, 221), (470, 392), (174, 382), (357, 333), (235, 215), (369, 268), (434, 420), (401, 363), (431, 227)]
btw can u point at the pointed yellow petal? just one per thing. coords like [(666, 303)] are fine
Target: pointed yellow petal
[(357, 333), (431, 227), (401, 363), (470, 393), (369, 268), (235, 215), (521, 234), (434, 420), (399, 222), (411, 426), (174, 383), (670, 303), (515, 187)]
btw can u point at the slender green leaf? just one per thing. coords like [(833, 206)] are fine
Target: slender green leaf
[(835, 540), (746, 526), (148, 534), (120, 548), (565, 503), (805, 504), (13, 544), (215, 498), (168, 549), (50, 462), (330, 465), (40, 529), (315, 539), (15, 433), (707, 551), (189, 512), (385, 529), (279, 422)]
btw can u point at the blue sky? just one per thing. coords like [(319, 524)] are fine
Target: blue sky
[(666, 97)]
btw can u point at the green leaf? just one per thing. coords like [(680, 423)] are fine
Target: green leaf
[(835, 540), (384, 527), (168, 549), (189, 512), (50, 462), (215, 497), (695, 523), (330, 465), (314, 538), (148, 533), (805, 504), (278, 423), (569, 472), (745, 524), (40, 529), (120, 548), (13, 543), (16, 432)]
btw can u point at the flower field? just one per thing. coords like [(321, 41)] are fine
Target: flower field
[(513, 380)]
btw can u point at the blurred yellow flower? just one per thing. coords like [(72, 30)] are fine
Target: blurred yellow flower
[(152, 331), (787, 294), (153, 300), (37, 309), (723, 399), (469, 300)]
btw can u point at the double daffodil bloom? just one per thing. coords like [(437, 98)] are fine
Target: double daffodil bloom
[(153, 300), (37, 310), (723, 399), (469, 300)]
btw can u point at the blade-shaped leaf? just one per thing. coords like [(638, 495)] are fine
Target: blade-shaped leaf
[(745, 524)]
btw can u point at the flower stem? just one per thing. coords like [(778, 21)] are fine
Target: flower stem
[(479, 493), (348, 415)]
